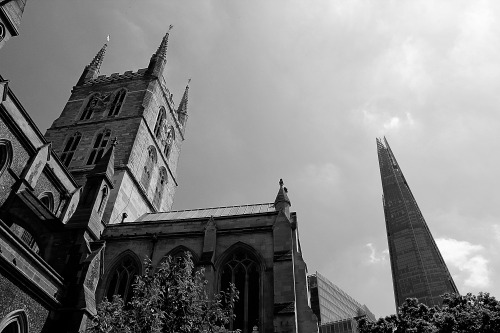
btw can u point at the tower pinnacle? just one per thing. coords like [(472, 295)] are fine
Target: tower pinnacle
[(91, 71), (98, 59), (282, 202), (159, 58), (183, 106)]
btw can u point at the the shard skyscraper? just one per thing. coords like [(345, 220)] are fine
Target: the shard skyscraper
[(418, 270)]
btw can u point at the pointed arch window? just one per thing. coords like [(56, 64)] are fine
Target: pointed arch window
[(2, 32), (169, 141), (5, 155), (100, 143), (15, 322), (122, 278), (117, 102), (92, 104), (162, 115), (70, 148), (162, 182), (47, 198), (243, 270), (148, 167), (104, 198)]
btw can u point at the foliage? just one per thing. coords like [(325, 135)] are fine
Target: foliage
[(172, 299), (458, 314)]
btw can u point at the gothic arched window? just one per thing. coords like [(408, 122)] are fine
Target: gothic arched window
[(169, 141), (47, 198), (243, 270), (104, 197), (162, 115), (15, 322), (148, 167), (122, 277), (2, 32), (5, 155), (160, 185), (92, 104), (179, 254), (100, 143), (117, 102), (70, 148)]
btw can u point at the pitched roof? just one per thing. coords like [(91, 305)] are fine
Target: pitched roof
[(208, 212)]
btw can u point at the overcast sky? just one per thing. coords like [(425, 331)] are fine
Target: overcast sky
[(299, 90)]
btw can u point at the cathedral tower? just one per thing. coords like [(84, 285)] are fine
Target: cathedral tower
[(138, 110), (418, 270), (11, 12)]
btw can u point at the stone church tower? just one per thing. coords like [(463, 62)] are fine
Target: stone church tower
[(137, 109), (11, 12), (84, 205)]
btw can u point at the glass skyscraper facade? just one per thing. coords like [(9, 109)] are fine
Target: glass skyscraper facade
[(418, 269), (335, 309)]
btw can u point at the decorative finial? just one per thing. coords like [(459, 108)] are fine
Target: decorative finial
[(282, 197), (162, 49), (114, 142)]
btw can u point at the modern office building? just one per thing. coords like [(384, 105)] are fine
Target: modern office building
[(349, 325), (335, 309), (418, 269)]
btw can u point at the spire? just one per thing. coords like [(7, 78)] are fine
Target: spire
[(162, 49), (99, 57), (424, 276), (91, 71), (159, 58), (183, 106), (282, 201)]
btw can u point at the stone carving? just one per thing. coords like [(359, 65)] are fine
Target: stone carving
[(93, 274)]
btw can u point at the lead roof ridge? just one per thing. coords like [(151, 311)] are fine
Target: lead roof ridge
[(208, 208)]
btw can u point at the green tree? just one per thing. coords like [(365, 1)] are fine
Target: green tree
[(458, 314), (171, 299)]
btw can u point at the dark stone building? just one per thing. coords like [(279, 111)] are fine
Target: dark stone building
[(82, 206), (418, 270), (11, 12)]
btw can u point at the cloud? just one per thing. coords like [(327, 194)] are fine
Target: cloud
[(382, 117), (393, 123), (475, 52), (377, 258), (468, 259)]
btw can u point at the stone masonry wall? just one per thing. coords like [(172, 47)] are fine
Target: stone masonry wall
[(13, 298)]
